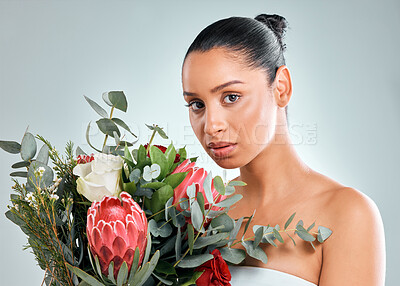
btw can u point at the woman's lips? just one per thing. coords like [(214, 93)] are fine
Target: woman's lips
[(223, 151)]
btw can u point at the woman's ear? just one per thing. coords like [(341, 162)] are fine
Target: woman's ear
[(282, 87)]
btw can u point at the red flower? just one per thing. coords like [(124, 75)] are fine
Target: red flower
[(163, 149), (216, 271), (83, 159), (197, 176)]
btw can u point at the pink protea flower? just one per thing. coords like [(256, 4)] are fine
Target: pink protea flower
[(115, 229), (196, 175)]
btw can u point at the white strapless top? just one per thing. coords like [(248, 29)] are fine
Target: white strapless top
[(257, 276)]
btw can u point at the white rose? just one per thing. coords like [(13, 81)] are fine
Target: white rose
[(100, 177)]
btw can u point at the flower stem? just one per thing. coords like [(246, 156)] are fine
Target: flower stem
[(198, 233), (105, 139), (151, 140)]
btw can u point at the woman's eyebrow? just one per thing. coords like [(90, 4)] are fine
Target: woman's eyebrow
[(215, 89)]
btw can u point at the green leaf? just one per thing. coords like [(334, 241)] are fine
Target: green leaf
[(106, 99), (158, 157), (148, 249), (229, 201), (20, 164), (161, 228), (43, 155), (10, 146), (258, 235), (289, 220), (175, 179), (323, 233), (207, 188), (107, 126), (248, 222), (88, 139), (219, 185), (111, 272), (84, 276), (170, 154), (294, 242), (98, 267), (19, 174), (233, 255), (303, 234), (236, 229), (165, 268), (278, 235), (159, 198), (204, 241), (160, 132), (192, 281), (165, 281), (195, 260), (118, 100), (178, 244), (135, 264), (123, 125), (200, 200), (45, 181), (225, 221), (79, 151), (28, 147), (130, 187), (182, 153), (196, 215), (190, 237), (122, 274), (100, 110), (141, 277), (255, 252), (154, 185), (311, 226), (237, 183)]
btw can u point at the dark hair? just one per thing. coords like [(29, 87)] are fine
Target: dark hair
[(258, 40)]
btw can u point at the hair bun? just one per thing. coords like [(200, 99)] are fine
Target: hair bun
[(276, 23)]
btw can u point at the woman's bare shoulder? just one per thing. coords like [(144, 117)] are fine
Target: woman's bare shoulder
[(357, 238)]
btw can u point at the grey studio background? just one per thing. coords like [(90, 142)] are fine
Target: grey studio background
[(344, 114)]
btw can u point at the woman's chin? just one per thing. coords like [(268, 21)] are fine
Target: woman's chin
[(227, 162)]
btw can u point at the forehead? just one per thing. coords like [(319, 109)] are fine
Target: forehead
[(218, 65)]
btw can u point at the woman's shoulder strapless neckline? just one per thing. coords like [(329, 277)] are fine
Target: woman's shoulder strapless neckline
[(257, 276)]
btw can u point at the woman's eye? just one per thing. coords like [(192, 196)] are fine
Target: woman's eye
[(230, 98), (195, 105)]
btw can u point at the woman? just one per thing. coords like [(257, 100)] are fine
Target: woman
[(238, 88)]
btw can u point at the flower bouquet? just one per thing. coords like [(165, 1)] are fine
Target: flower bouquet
[(131, 216)]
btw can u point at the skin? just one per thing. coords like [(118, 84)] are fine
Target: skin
[(279, 183)]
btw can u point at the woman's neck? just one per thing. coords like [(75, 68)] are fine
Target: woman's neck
[(276, 172)]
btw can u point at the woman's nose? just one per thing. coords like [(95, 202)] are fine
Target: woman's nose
[(214, 122)]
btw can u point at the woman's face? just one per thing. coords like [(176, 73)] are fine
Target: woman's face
[(231, 107)]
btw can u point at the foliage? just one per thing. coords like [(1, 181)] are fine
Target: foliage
[(50, 211)]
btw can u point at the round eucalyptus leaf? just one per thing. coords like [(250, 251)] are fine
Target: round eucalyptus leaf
[(106, 99), (107, 126), (28, 147), (47, 178), (118, 100), (43, 155), (233, 255)]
